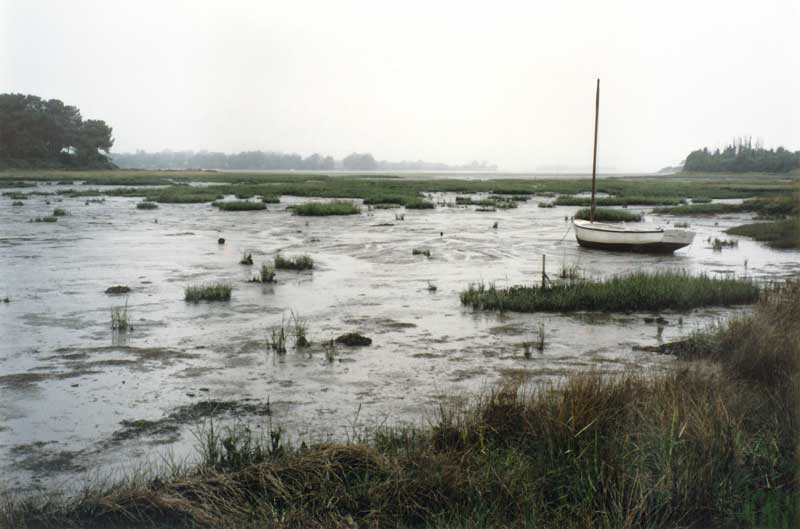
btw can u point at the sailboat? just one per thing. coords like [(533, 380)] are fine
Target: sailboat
[(624, 237)]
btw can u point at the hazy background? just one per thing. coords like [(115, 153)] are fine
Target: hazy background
[(508, 82)]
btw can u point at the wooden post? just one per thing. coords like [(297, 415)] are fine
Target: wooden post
[(594, 155)]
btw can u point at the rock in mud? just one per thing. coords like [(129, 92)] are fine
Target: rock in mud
[(221, 240), (118, 289), (354, 339)]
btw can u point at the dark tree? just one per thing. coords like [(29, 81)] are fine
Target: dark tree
[(47, 133)]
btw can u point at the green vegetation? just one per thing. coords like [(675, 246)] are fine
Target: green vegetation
[(18, 203), (718, 244), (58, 212), (571, 200), (421, 251), (271, 200), (690, 447), (299, 329), (300, 262), (277, 342), (265, 275), (637, 291), (45, 219), (784, 234), (767, 207), (247, 258), (213, 292), (740, 157), (47, 133), (119, 318), (239, 205), (499, 202), (609, 215), (146, 205), (317, 209)]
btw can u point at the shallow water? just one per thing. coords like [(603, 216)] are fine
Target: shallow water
[(67, 381)]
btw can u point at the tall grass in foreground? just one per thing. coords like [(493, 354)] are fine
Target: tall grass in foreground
[(213, 292), (609, 215), (782, 234), (630, 292), (685, 448), (317, 209)]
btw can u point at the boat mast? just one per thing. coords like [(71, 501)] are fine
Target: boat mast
[(594, 156)]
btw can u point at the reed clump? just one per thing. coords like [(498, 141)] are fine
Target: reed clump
[(239, 205), (674, 290), (211, 292), (782, 234), (638, 200), (319, 209), (298, 262), (146, 205), (687, 447), (45, 219), (609, 215)]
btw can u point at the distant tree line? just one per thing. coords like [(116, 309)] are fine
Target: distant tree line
[(36, 133), (742, 156), (266, 160)]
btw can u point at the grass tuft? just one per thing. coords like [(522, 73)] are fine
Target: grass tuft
[(631, 292), (300, 262), (317, 209), (239, 205), (213, 292), (146, 205)]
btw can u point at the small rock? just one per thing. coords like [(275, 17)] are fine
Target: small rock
[(190, 394), (221, 240), (118, 289), (354, 339)]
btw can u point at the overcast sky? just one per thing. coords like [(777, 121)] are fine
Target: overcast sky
[(508, 82)]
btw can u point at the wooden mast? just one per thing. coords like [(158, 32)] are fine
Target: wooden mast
[(594, 155)]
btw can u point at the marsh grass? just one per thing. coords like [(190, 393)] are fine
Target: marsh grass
[(212, 292), (18, 203), (146, 205), (765, 207), (271, 199), (266, 274), (421, 251), (247, 258), (119, 317), (609, 215), (239, 205), (624, 293), (298, 262), (277, 340), (299, 330), (45, 219), (688, 447), (318, 209), (782, 234), (58, 212), (718, 244), (571, 200)]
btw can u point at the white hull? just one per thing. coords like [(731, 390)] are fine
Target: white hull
[(624, 238)]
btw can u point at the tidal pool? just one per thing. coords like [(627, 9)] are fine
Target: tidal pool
[(81, 401)]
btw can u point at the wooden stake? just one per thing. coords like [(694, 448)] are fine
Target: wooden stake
[(594, 155)]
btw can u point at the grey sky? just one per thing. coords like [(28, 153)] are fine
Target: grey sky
[(508, 82)]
